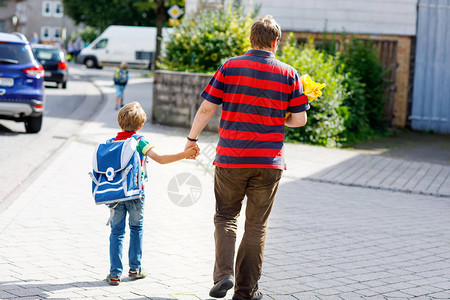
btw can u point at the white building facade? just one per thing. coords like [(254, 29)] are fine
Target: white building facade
[(386, 17)]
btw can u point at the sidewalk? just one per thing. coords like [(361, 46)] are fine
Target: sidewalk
[(325, 241)]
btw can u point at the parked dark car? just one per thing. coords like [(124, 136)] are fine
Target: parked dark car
[(21, 82), (54, 63)]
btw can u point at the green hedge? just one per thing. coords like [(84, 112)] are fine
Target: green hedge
[(351, 107), (202, 44), (365, 103), (325, 118)]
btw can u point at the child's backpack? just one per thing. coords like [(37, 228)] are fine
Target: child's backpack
[(116, 174), (121, 76)]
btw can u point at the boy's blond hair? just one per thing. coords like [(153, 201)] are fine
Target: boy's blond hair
[(123, 65), (131, 117), (264, 32)]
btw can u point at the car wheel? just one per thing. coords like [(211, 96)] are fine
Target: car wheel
[(64, 85), (90, 62), (33, 124)]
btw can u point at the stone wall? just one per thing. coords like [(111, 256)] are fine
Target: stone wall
[(176, 98)]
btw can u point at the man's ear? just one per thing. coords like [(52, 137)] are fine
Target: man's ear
[(275, 43)]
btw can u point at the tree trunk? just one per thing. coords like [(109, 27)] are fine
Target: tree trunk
[(160, 16)]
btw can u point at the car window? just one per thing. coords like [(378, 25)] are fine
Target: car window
[(101, 44), (15, 54), (47, 54)]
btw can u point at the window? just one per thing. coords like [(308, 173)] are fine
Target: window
[(56, 34), (46, 53), (16, 53), (58, 9), (52, 8), (45, 33), (46, 8), (101, 44), (2, 25)]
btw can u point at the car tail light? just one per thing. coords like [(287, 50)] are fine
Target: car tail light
[(62, 65), (38, 105), (35, 71)]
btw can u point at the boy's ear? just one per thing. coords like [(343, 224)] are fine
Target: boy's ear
[(140, 127)]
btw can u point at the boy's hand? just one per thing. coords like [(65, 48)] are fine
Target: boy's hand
[(192, 149)]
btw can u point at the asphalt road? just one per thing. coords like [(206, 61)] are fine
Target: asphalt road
[(23, 156)]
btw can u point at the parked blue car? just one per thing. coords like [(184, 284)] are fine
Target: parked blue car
[(21, 82)]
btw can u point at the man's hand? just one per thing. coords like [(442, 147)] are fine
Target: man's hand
[(191, 144), (202, 117)]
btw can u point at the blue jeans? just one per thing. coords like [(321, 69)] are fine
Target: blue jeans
[(135, 209)]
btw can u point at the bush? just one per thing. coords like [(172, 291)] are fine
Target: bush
[(326, 120), (88, 34), (366, 83), (202, 44)]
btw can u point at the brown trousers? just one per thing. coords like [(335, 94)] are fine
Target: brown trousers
[(230, 186)]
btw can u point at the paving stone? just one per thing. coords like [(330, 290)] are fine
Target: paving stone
[(281, 297), (325, 241), (440, 295), (350, 296), (6, 295)]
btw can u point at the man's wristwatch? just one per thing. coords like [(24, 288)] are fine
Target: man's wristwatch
[(192, 140)]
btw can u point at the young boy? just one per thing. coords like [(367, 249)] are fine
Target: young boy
[(120, 81), (131, 118)]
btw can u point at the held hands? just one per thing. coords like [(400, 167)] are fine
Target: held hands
[(192, 150)]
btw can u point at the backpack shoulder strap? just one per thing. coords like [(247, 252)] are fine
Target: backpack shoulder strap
[(137, 136), (144, 160)]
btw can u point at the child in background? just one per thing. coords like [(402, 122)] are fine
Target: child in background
[(120, 82)]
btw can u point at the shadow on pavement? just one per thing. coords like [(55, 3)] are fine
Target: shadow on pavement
[(388, 173), (334, 238), (7, 131), (19, 289), (411, 145)]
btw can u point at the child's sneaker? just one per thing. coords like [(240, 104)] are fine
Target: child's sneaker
[(137, 273), (112, 279)]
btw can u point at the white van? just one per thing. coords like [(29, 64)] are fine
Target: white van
[(133, 44)]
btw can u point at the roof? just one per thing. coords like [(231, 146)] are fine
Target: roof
[(12, 38), (44, 46)]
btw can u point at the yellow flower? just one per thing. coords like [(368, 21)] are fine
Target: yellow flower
[(311, 89)]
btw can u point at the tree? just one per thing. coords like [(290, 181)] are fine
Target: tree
[(159, 8), (202, 43), (102, 13)]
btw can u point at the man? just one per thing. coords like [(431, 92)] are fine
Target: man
[(256, 91)]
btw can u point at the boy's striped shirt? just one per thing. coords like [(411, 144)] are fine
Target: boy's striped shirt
[(255, 90)]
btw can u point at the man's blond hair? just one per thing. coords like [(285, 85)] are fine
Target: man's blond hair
[(131, 117), (264, 32)]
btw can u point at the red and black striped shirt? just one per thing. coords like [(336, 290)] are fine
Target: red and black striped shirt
[(255, 90)]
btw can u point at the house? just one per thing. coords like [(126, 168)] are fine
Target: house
[(8, 18), (393, 26), (44, 17)]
